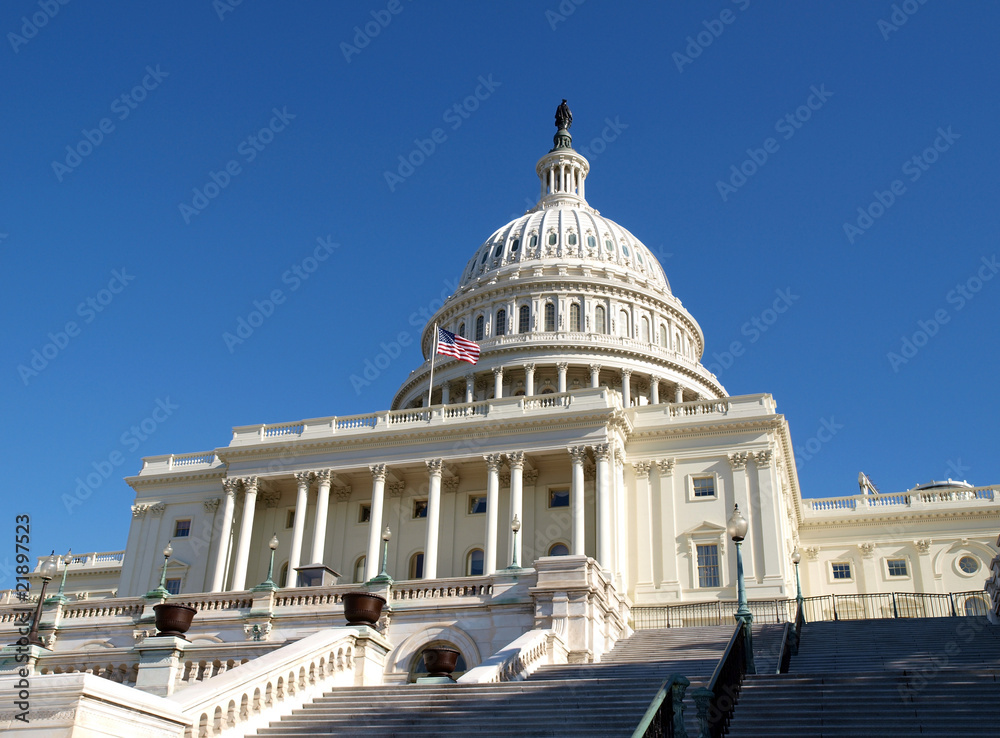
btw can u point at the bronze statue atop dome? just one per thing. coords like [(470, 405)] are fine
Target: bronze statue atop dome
[(564, 116), (564, 119)]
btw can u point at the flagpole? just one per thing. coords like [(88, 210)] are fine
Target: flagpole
[(434, 350)]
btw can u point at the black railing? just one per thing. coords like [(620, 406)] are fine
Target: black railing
[(824, 607), (717, 702), (664, 718)]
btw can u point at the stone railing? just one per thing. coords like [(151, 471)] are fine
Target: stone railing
[(862, 504), (180, 462), (254, 694), (698, 408), (441, 588), (516, 661), (370, 422), (123, 607)]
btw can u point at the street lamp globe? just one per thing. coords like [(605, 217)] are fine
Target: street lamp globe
[(515, 524), (386, 534), (168, 551), (737, 525), (273, 543), (796, 556), (49, 568)]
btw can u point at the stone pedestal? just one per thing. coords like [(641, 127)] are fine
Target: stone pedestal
[(160, 662)]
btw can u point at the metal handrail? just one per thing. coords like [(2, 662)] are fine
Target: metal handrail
[(725, 684), (658, 720)]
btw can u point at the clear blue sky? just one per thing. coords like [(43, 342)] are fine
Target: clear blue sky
[(96, 236)]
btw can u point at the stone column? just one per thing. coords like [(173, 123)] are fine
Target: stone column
[(679, 395), (577, 455), (644, 519), (529, 379), (492, 512), (445, 393), (219, 566), (470, 387), (375, 521), (654, 390), (433, 518), (322, 508), (562, 367), (516, 461), (773, 556), (298, 526), (602, 454), (595, 375), (246, 530), (621, 525), (497, 382), (741, 496), (627, 387), (668, 524)]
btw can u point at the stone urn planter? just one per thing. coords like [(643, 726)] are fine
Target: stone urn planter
[(173, 620), (441, 661), (363, 608)]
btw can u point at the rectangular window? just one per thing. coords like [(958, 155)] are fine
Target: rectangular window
[(290, 518), (897, 567), (703, 486), (708, 565), (364, 513), (841, 570), (419, 509), (182, 528), (173, 586), (524, 319), (477, 504), (559, 498)]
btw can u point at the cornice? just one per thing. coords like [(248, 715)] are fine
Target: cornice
[(176, 476), (908, 516)]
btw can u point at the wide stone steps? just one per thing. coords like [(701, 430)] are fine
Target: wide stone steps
[(604, 699), (928, 676)]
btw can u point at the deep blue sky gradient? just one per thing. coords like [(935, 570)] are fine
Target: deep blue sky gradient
[(678, 133)]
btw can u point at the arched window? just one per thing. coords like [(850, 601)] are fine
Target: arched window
[(574, 317), (572, 239), (359, 570), (417, 565), (600, 320), (664, 336), (283, 577), (559, 549), (550, 316), (501, 323), (480, 328), (623, 327), (677, 342), (474, 563), (524, 319), (645, 328), (461, 330)]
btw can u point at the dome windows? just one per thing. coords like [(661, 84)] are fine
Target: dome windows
[(623, 327), (533, 241), (608, 245), (480, 328), (592, 242), (501, 323), (552, 239), (600, 319), (499, 250), (644, 328), (550, 317), (523, 319), (625, 249), (461, 330), (572, 239), (486, 255), (515, 244), (574, 317)]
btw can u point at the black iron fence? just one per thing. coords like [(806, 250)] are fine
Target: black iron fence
[(824, 607)]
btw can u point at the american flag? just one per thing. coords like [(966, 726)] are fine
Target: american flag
[(461, 348)]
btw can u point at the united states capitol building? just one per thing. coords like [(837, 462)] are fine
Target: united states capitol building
[(533, 509)]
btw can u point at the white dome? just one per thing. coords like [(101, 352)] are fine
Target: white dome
[(564, 291)]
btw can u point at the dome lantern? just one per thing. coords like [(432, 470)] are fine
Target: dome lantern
[(562, 171)]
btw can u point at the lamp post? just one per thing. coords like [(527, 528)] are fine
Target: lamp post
[(268, 584), (796, 558), (161, 591), (737, 530), (383, 576), (59, 597), (47, 572), (515, 526)]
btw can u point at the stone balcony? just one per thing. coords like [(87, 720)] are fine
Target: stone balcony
[(877, 504)]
